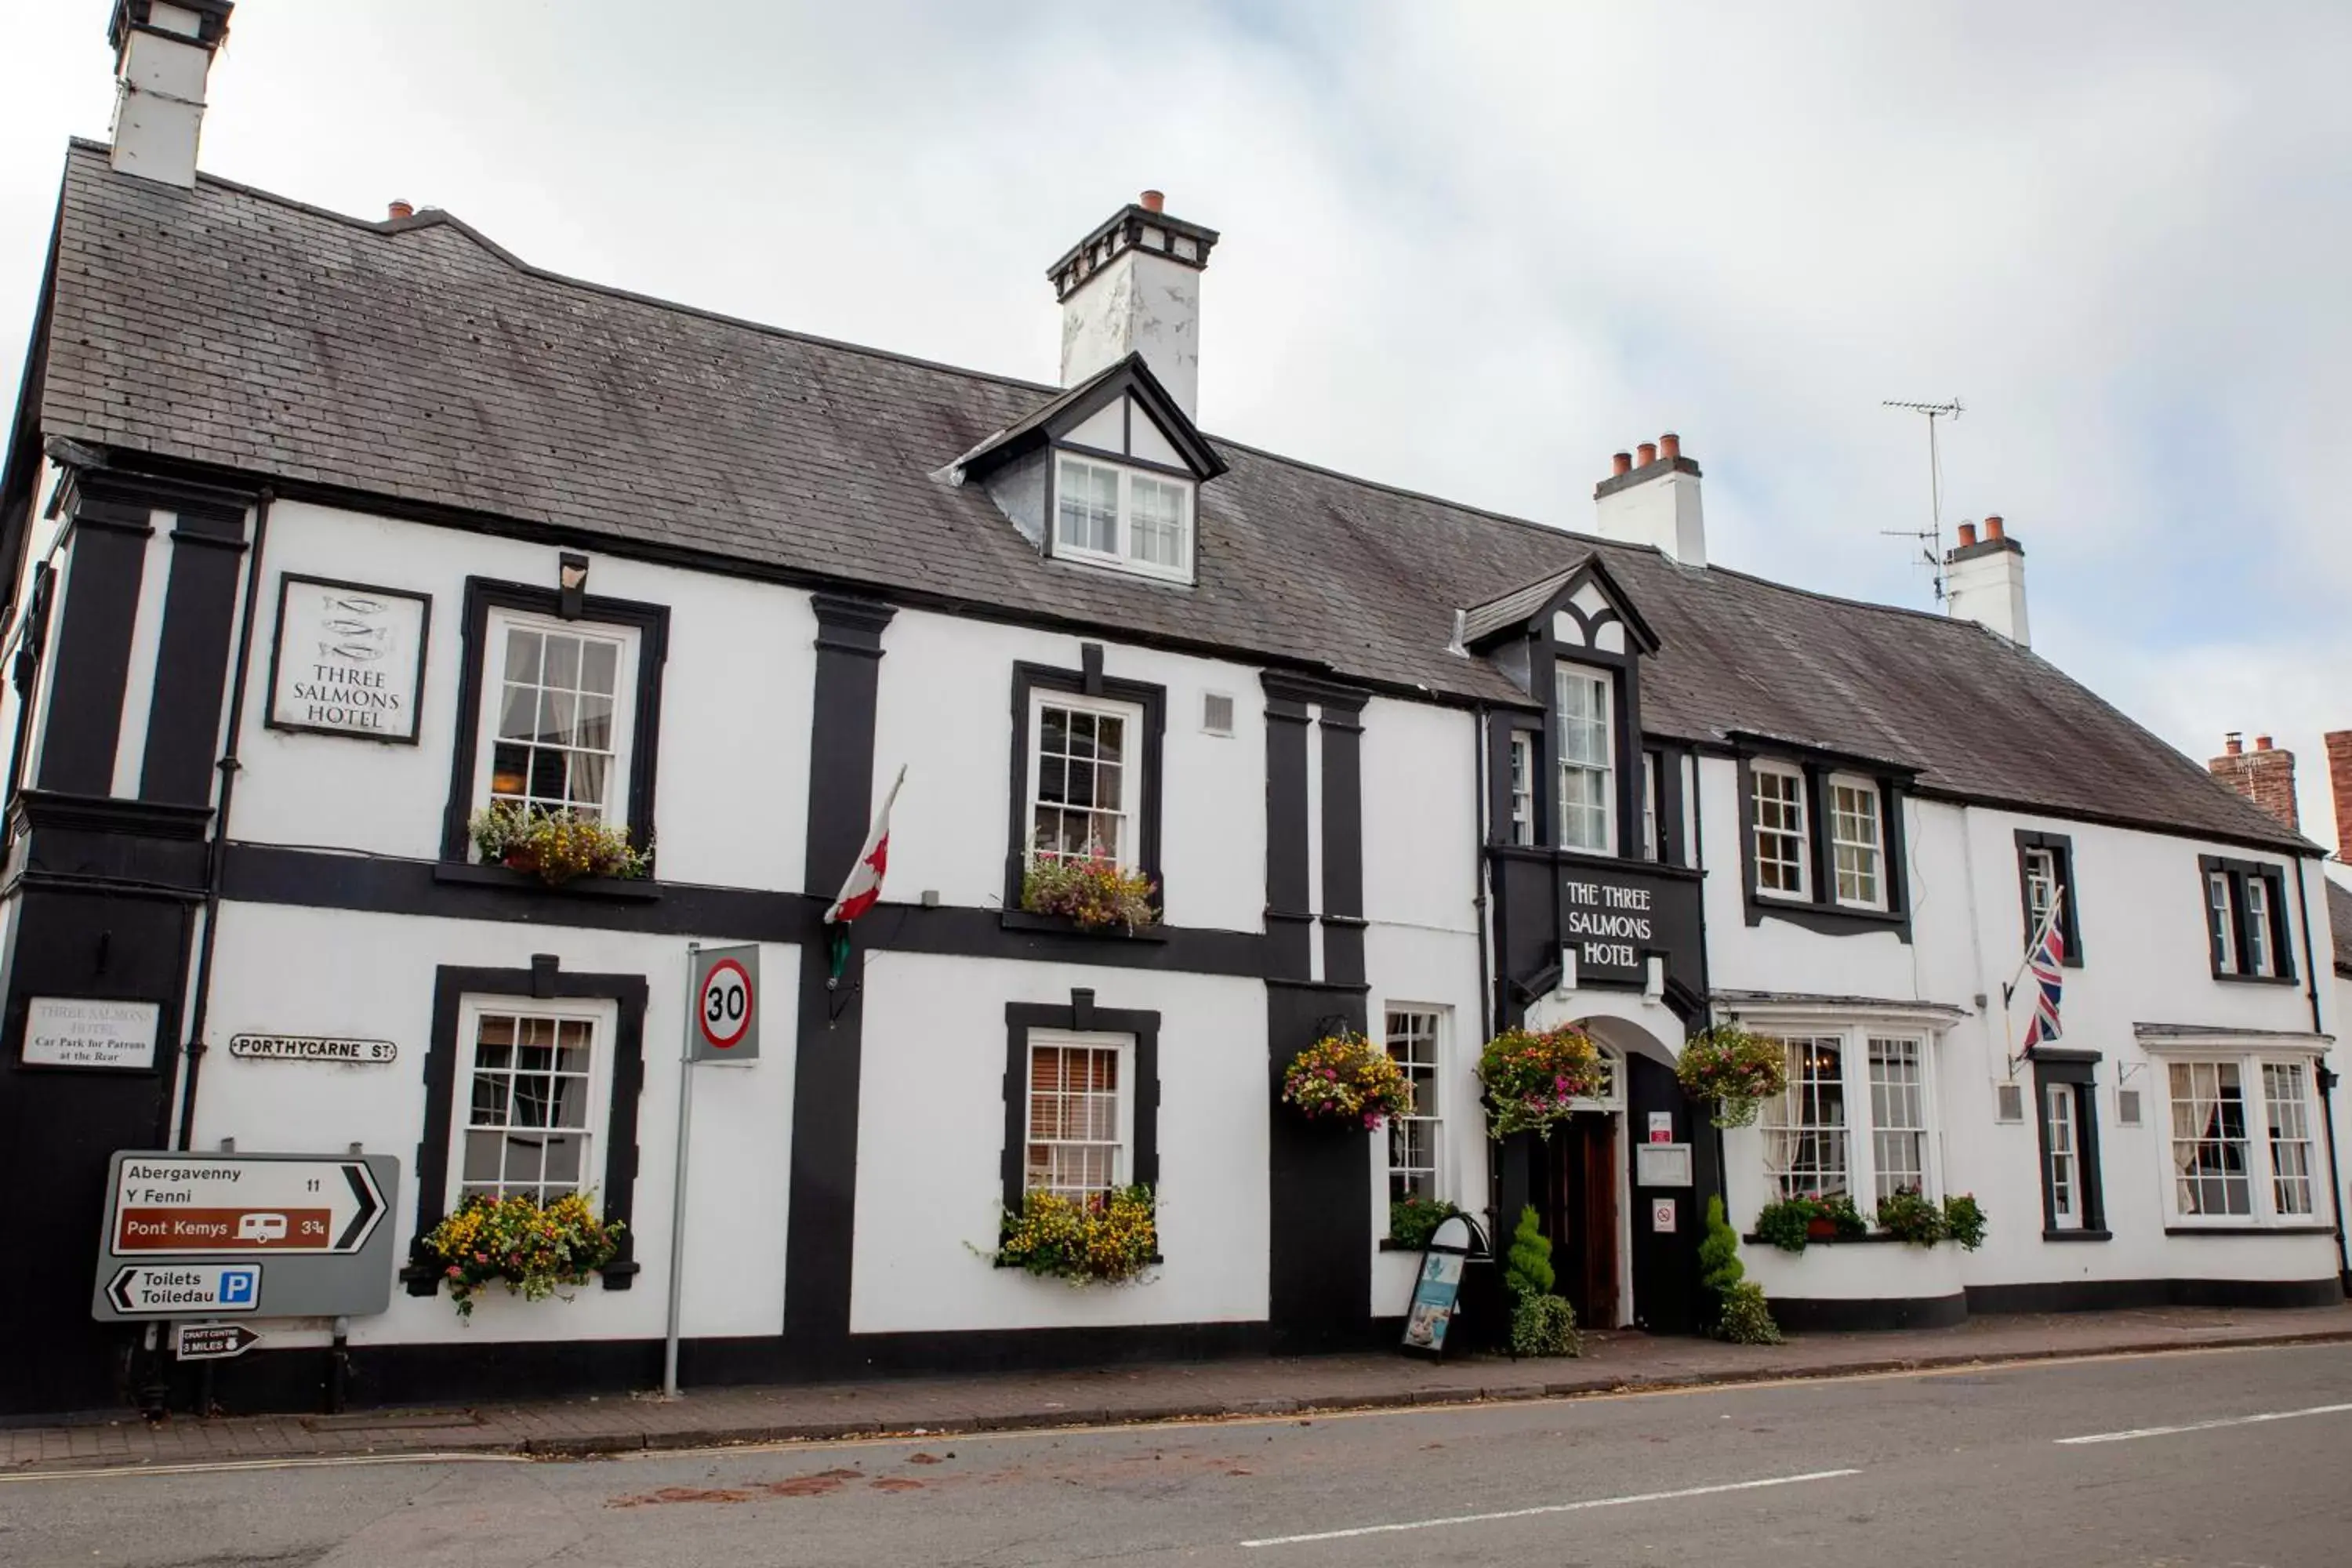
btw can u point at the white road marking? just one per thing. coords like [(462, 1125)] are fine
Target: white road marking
[(1554, 1507), (297, 1462), (2204, 1426)]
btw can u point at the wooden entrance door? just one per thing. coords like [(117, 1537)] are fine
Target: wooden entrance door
[(1579, 1206)]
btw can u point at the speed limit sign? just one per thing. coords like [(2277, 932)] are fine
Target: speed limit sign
[(726, 1003)]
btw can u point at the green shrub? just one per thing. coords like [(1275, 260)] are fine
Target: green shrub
[(1964, 1219), (1905, 1215), (1746, 1318), (1719, 1268), (1850, 1226), (1545, 1325), (1526, 1267), (1412, 1221), (1783, 1224)]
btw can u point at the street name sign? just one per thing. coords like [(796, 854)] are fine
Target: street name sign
[(212, 1341), (331, 1048), (190, 1234)]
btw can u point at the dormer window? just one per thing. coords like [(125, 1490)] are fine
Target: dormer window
[(1116, 516)]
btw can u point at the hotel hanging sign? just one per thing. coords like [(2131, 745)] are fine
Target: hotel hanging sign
[(349, 660)]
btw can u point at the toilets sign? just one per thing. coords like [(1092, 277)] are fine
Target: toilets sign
[(273, 1234)]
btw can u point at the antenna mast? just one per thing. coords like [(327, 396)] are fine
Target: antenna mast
[(1931, 538)]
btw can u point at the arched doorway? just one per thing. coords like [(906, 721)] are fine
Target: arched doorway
[(1608, 1257)]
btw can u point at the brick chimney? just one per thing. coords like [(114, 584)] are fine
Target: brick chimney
[(1651, 496), (2264, 775), (163, 54), (1984, 581), (2339, 785), (1133, 286)]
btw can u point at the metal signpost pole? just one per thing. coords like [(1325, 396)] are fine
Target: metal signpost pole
[(677, 1193)]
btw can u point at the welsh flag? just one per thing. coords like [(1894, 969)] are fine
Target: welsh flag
[(863, 886)]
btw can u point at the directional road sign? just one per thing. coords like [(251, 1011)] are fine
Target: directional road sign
[(212, 1341), (726, 1005), (275, 1235), (184, 1290), (191, 1206)]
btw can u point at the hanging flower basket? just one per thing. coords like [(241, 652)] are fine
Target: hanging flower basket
[(1533, 1079), (1345, 1078), (531, 1250), (1736, 1070)]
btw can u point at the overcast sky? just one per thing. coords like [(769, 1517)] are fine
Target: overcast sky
[(1474, 248)]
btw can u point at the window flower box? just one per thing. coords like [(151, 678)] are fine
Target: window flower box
[(1103, 1238), (556, 846), (533, 1249), (1094, 893)]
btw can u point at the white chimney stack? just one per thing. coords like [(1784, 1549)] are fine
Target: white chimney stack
[(1984, 581), (1133, 286), (162, 53), (1654, 501)]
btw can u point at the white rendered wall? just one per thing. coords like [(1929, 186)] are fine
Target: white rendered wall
[(931, 1135), (1136, 303), (944, 710), (284, 970), (730, 802), (2145, 962)]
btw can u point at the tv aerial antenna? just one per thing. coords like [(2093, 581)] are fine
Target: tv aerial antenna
[(1930, 538)]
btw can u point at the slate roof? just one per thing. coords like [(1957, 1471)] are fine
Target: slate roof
[(1513, 608), (2339, 918), (416, 360)]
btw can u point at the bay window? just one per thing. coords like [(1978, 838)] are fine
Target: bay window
[(2239, 1140), (1857, 1119), (1588, 793)]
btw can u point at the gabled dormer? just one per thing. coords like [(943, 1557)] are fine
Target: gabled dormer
[(1107, 475), (1575, 776)]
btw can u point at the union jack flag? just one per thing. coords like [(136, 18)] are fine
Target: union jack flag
[(2047, 960)]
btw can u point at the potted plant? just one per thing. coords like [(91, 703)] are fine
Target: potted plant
[(1790, 1222), (1742, 1314), (1736, 1070), (1964, 1220), (1534, 1079), (1542, 1323), (1103, 1238), (530, 1249), (1345, 1078), (1095, 892), (555, 846), (1906, 1216), (1413, 1220)]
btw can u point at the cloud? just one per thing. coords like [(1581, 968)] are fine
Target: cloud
[(1475, 248)]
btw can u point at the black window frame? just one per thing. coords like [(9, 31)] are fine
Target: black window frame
[(1820, 910), (1087, 680), (2061, 847), (1080, 1017), (545, 980), (650, 622), (2238, 873), (2077, 1073)]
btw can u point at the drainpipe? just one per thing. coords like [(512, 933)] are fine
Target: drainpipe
[(2327, 1087), (1479, 833), (217, 862)]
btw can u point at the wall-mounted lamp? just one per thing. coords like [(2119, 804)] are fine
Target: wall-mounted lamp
[(572, 575)]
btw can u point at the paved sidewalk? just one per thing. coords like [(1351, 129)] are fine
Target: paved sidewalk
[(1200, 1390)]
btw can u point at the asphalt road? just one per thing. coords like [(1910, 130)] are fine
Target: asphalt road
[(1982, 1467)]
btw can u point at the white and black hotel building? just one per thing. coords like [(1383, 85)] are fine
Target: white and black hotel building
[(1395, 763)]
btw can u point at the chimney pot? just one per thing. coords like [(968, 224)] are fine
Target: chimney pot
[(1992, 527), (1670, 446), (1967, 534), (2233, 743), (1620, 463), (2262, 742), (400, 209), (1647, 453), (1153, 201)]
